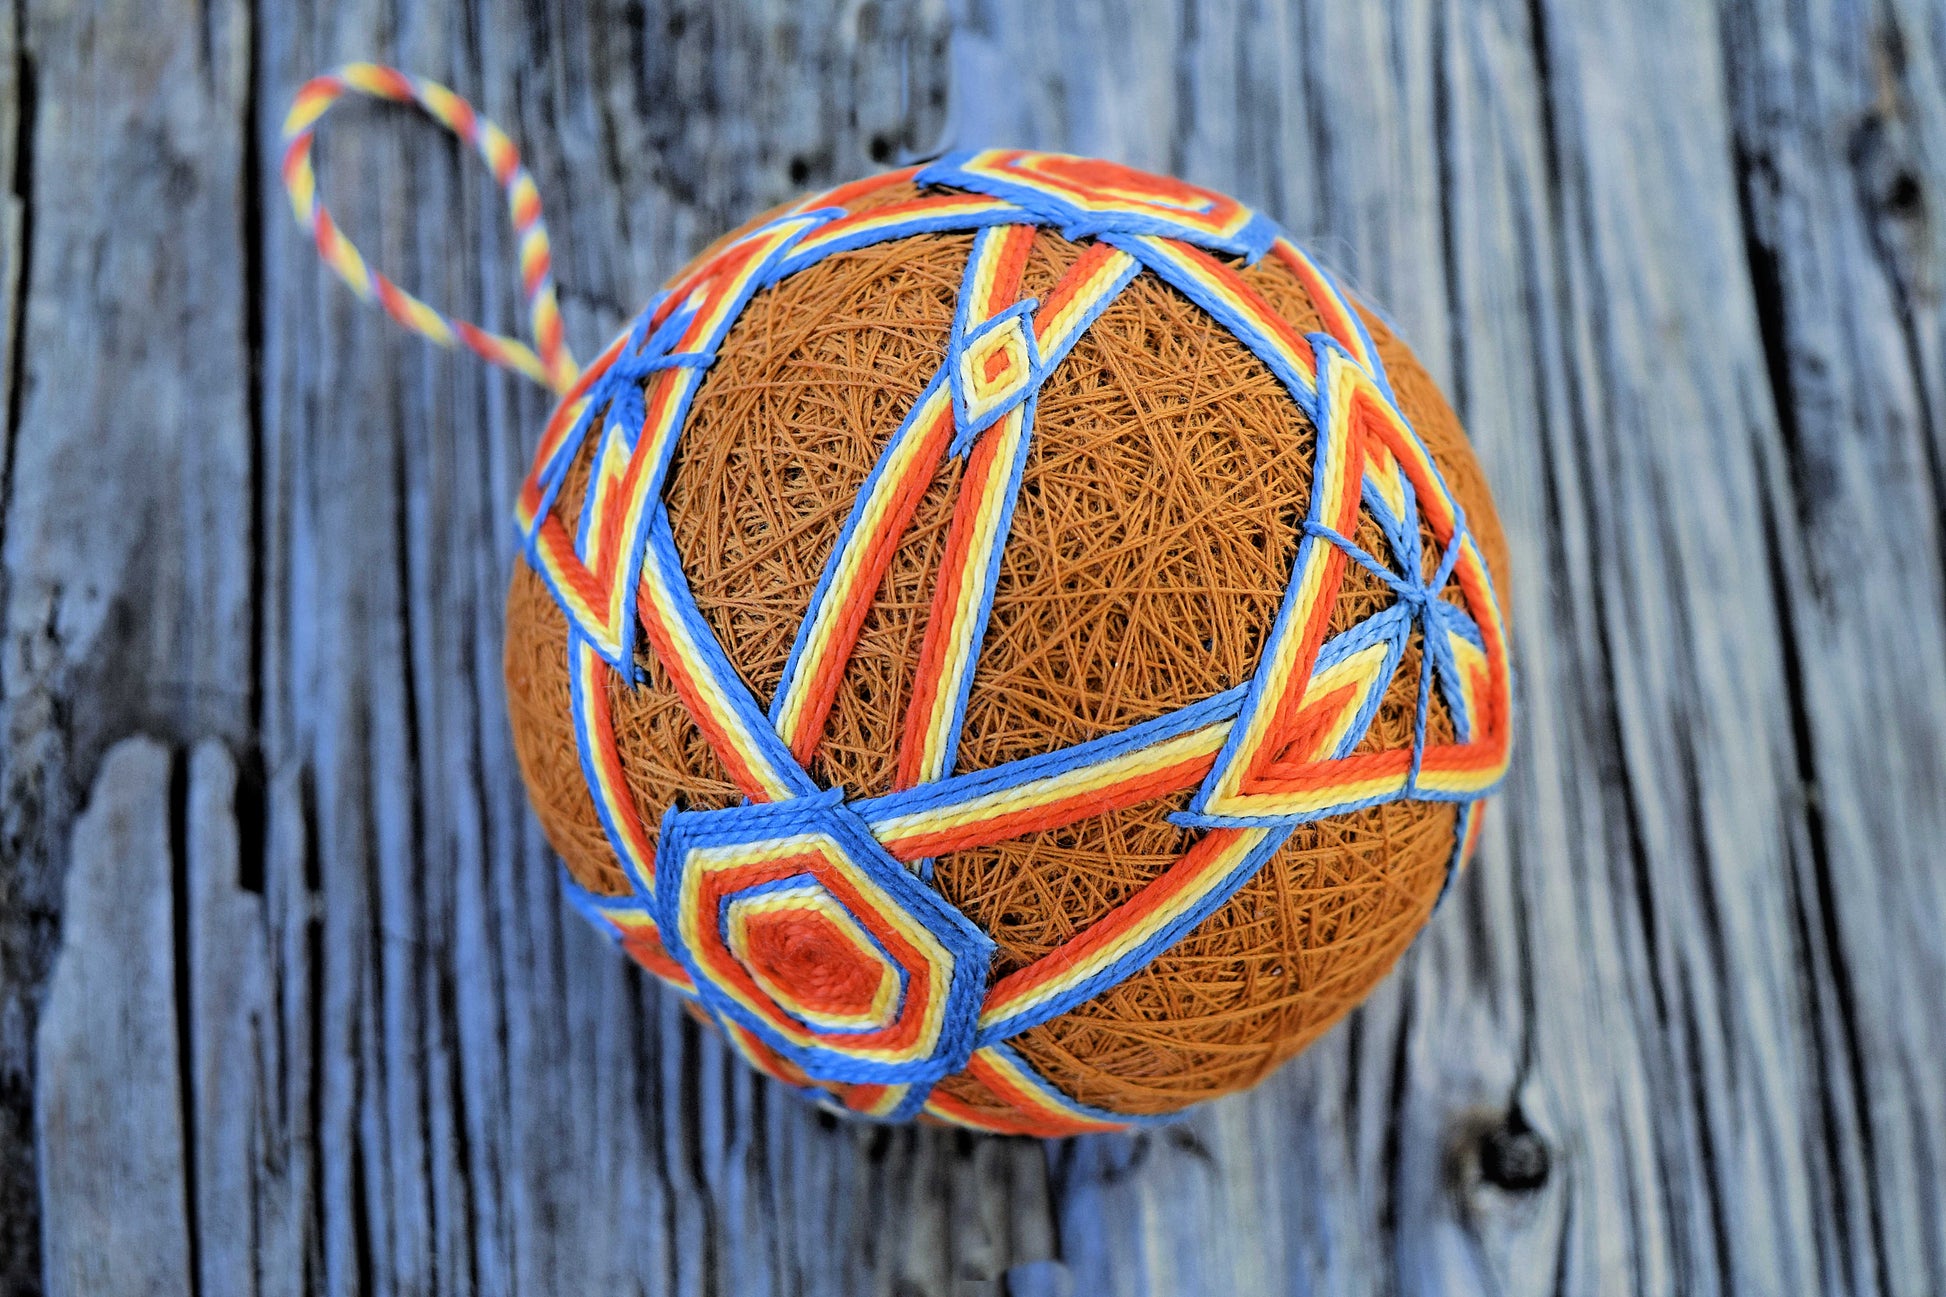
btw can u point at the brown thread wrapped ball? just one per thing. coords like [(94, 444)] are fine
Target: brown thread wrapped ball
[(1151, 544)]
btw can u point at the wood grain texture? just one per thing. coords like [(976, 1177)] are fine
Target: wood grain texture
[(288, 1002)]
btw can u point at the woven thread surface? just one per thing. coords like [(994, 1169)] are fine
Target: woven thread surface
[(1152, 541)]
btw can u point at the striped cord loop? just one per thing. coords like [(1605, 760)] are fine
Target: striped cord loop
[(548, 362)]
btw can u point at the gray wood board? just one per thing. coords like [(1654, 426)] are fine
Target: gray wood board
[(288, 1000)]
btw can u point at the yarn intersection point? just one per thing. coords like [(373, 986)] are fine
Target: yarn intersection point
[(994, 372), (793, 922), (812, 702), (1291, 756), (1089, 197)]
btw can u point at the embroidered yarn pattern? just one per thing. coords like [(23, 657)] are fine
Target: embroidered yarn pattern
[(801, 922)]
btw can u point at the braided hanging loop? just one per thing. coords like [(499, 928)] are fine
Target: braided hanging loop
[(548, 362), (794, 661)]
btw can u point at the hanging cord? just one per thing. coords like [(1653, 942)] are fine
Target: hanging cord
[(548, 361)]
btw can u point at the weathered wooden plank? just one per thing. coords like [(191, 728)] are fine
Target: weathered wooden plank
[(109, 1084), (228, 1006), (125, 525), (1839, 125), (28, 898), (1675, 1032)]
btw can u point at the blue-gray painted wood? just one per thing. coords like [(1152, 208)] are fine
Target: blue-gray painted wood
[(123, 1218), (288, 1003)]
